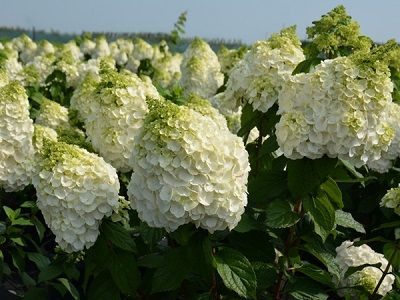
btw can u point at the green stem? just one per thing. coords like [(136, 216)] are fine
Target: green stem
[(385, 272)]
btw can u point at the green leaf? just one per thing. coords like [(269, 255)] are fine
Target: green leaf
[(317, 249), (18, 241), (70, 288), (316, 273), (172, 272), (279, 214), (266, 275), (22, 222), (125, 273), (306, 65), (236, 272), (322, 214), (249, 119), (352, 270), (246, 224), (334, 193), (27, 280), (392, 254), (151, 236), (40, 260), (345, 219), (102, 288), (150, 261), (28, 204), (50, 272), (118, 235), (9, 212), (305, 289), (40, 228), (393, 224), (305, 175), (266, 186)]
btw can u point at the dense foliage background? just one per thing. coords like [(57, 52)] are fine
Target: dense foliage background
[(298, 210)]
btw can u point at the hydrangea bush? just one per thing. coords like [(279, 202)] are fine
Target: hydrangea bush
[(129, 171)]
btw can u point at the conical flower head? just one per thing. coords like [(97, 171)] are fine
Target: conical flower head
[(16, 131), (120, 101), (201, 71), (258, 77), (75, 190), (188, 169)]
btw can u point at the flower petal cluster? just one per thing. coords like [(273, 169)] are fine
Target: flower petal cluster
[(188, 168), (16, 131), (75, 191), (258, 77), (348, 255), (201, 71), (119, 108), (340, 109), (392, 200), (52, 114)]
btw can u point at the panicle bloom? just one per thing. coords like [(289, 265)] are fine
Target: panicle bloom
[(201, 71), (142, 50), (340, 109), (52, 114), (16, 131), (75, 190), (392, 200), (120, 108), (228, 58), (188, 168), (258, 77), (348, 255)]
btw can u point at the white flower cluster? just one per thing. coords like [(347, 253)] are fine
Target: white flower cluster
[(75, 190), (392, 200), (189, 168), (201, 71), (16, 131), (168, 69), (52, 114), (340, 109), (116, 115), (258, 77), (352, 256), (228, 58)]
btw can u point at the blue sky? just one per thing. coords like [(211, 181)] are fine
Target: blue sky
[(247, 20)]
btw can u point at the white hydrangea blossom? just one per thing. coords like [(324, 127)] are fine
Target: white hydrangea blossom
[(43, 66), (189, 168), (142, 50), (168, 69), (75, 190), (102, 49), (3, 77), (201, 71), (228, 58), (16, 131), (392, 200), (82, 100), (11, 64), (258, 77), (352, 256), (340, 109), (87, 46), (25, 47), (120, 111), (42, 134), (52, 114), (44, 48)]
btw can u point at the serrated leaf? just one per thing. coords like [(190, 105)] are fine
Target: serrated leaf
[(246, 224), (150, 261), (387, 225), (236, 272), (124, 272), (70, 288), (334, 193), (279, 214), (352, 270), (305, 175), (316, 273), (40, 228), (345, 219), (266, 274), (172, 272), (322, 214), (118, 235), (40, 260)]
